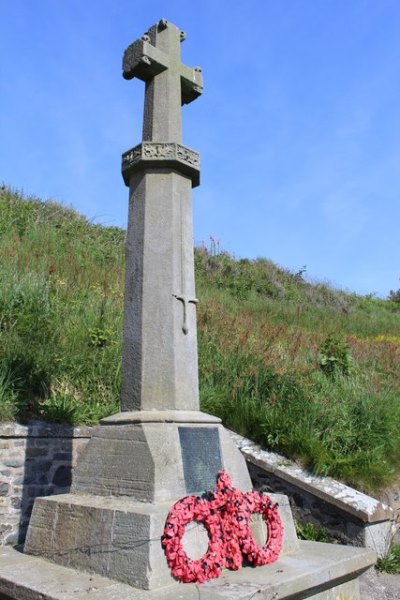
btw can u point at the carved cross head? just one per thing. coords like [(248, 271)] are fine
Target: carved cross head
[(157, 51)]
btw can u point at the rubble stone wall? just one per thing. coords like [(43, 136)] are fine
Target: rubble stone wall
[(35, 460)]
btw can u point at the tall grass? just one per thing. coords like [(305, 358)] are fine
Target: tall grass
[(60, 311), (303, 369), (315, 378)]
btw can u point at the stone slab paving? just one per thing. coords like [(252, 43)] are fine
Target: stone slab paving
[(379, 586), (315, 567), (391, 586)]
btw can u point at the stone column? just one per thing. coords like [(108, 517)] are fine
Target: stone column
[(159, 365)]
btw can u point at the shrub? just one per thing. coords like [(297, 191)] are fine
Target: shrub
[(394, 296), (335, 357)]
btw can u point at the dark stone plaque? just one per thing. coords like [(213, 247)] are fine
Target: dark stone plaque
[(201, 456)]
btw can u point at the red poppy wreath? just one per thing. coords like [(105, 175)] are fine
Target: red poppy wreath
[(225, 515)]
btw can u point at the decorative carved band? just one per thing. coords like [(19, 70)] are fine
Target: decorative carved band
[(161, 154), (160, 151)]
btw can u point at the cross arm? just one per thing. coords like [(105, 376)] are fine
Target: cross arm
[(143, 60), (191, 83)]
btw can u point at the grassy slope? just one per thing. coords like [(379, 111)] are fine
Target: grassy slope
[(304, 369)]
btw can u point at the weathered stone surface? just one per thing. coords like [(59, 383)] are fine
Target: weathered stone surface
[(391, 585), (41, 429), (159, 367), (115, 538), (4, 487), (16, 502), (14, 460), (327, 572), (366, 508), (371, 588), (117, 462), (160, 416), (144, 461)]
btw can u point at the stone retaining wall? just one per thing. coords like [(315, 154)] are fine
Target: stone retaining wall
[(35, 460), (350, 516)]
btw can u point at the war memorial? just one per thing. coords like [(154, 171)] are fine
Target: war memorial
[(108, 538)]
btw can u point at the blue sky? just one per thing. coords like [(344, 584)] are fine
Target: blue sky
[(298, 127)]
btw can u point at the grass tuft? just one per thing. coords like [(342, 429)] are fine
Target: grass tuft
[(391, 562)]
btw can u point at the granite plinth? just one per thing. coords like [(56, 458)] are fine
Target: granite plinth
[(160, 416)]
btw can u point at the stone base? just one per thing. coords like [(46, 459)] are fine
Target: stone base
[(145, 460), (317, 571), (116, 537), (128, 478)]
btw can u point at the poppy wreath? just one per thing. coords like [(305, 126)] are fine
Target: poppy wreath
[(237, 509), (226, 515), (269, 553), (210, 565)]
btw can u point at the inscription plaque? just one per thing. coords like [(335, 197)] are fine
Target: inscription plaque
[(201, 457)]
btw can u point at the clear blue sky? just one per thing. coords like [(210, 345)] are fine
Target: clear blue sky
[(298, 127)]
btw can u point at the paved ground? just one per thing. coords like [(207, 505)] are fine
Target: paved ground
[(375, 586), (33, 578)]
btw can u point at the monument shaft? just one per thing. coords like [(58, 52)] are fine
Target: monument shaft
[(159, 364), (159, 358)]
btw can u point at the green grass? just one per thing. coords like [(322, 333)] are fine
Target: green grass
[(60, 313), (391, 562), (303, 369), (313, 533)]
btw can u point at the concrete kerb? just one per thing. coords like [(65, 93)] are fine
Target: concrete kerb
[(378, 519)]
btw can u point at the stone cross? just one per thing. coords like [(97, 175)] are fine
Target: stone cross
[(155, 59), (159, 364)]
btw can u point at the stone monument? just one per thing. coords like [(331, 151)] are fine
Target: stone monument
[(160, 447)]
